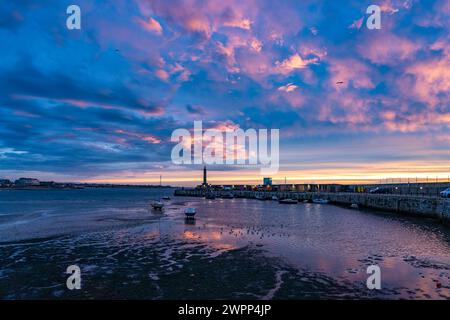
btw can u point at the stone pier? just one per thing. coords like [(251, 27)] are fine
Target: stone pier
[(430, 207)]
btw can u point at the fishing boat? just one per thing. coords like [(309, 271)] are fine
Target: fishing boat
[(157, 206), (288, 201), (354, 206), (320, 201), (190, 212)]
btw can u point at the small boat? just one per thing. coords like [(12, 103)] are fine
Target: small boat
[(157, 206), (190, 212), (305, 201), (275, 198), (354, 206), (210, 196), (166, 198), (288, 201), (320, 201)]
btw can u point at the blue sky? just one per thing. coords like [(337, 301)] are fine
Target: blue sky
[(100, 103)]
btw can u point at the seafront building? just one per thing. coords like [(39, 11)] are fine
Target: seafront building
[(26, 182), (5, 183), (267, 182)]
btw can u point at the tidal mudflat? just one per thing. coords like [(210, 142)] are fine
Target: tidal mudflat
[(235, 248)]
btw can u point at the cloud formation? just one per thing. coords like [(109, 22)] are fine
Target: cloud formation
[(104, 100)]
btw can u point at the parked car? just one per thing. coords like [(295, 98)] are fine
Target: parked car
[(379, 190), (445, 193)]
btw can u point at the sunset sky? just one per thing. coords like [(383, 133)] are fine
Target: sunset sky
[(99, 104)]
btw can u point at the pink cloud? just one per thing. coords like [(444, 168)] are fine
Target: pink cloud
[(150, 25), (436, 16), (432, 80), (86, 103), (144, 137), (158, 111), (189, 15), (413, 122), (288, 95), (388, 115), (162, 74), (224, 126), (295, 62), (288, 87), (239, 23), (197, 24), (345, 108), (256, 45), (246, 43), (151, 139), (350, 71), (389, 7), (387, 48)]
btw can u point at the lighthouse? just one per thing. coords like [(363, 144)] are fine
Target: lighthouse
[(205, 183)]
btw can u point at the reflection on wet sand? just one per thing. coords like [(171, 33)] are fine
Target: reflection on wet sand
[(340, 252)]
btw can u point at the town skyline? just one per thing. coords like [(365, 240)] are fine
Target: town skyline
[(200, 180)]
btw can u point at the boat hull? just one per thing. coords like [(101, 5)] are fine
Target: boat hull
[(288, 201), (321, 201)]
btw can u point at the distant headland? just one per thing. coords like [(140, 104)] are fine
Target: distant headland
[(32, 183)]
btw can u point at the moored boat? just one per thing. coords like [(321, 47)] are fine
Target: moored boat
[(190, 212), (288, 201), (157, 206), (320, 201)]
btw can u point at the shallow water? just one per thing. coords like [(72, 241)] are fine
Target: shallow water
[(235, 248)]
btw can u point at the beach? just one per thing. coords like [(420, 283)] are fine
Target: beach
[(234, 249)]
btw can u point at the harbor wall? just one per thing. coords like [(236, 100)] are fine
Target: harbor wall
[(430, 207)]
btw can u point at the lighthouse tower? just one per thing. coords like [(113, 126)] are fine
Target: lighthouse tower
[(205, 182)]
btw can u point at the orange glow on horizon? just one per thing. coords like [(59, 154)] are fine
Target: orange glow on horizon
[(330, 172)]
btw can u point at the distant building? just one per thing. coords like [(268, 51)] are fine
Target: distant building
[(48, 184), (26, 182), (267, 182), (4, 183)]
